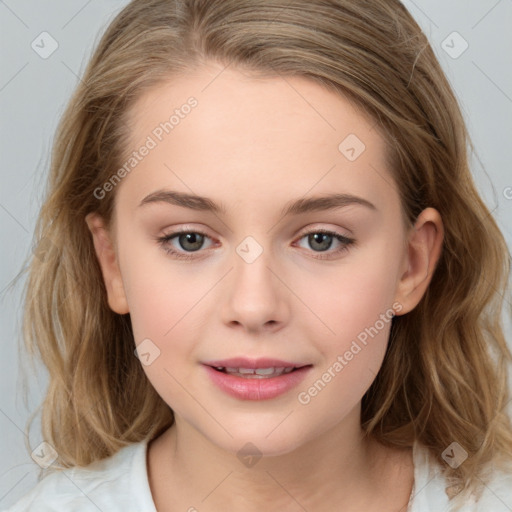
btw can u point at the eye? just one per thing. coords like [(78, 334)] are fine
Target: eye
[(187, 240), (321, 240)]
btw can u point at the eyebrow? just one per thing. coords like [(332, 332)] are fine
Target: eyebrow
[(303, 205)]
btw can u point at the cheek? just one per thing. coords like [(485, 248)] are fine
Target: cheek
[(352, 298), (354, 304), (169, 306), (162, 295), (165, 309), (359, 316)]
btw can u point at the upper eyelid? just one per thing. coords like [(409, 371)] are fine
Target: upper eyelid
[(320, 229), (301, 234), (317, 227)]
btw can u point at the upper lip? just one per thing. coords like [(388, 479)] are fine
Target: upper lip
[(244, 362)]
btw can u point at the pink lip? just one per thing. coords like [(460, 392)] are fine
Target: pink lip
[(255, 388)]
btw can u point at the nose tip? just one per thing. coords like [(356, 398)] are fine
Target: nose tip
[(255, 297)]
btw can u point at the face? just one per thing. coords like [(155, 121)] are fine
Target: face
[(242, 273)]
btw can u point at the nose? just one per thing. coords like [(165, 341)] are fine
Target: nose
[(256, 298)]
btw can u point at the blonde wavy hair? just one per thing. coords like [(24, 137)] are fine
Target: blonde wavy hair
[(445, 374)]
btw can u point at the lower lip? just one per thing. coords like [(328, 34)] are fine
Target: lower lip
[(256, 388)]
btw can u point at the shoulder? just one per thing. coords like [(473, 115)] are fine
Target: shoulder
[(117, 483), (429, 491), (496, 494)]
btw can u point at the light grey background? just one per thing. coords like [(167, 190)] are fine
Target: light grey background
[(33, 92)]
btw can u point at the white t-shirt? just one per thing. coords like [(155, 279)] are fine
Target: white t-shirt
[(120, 484)]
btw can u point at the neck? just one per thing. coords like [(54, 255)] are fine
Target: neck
[(338, 466)]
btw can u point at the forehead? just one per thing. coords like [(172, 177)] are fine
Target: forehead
[(228, 99), (287, 132)]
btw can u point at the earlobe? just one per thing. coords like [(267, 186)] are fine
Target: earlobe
[(107, 258), (423, 251)]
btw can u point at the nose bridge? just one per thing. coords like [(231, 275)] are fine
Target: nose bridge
[(255, 296), (252, 266)]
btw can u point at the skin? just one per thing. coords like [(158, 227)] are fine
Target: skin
[(252, 145)]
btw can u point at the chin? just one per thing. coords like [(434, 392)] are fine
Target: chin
[(261, 439)]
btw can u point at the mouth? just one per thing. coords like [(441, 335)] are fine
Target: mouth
[(257, 373), (260, 379)]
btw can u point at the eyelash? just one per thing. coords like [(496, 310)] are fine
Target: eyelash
[(164, 243)]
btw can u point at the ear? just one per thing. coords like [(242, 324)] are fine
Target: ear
[(107, 258), (423, 250)]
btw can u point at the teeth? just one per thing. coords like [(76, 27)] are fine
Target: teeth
[(267, 371), (242, 370), (256, 372)]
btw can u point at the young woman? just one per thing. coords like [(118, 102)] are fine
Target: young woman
[(267, 277)]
